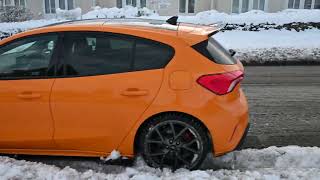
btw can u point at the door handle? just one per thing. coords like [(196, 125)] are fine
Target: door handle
[(29, 95), (135, 92)]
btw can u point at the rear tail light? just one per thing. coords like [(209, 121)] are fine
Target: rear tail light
[(221, 84)]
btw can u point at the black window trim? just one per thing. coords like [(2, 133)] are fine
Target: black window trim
[(62, 60), (52, 61)]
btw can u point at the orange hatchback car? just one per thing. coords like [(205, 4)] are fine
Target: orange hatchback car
[(164, 90)]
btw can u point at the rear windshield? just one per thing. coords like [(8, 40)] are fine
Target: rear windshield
[(214, 51)]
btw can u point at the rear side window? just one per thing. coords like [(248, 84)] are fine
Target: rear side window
[(214, 51), (92, 53), (151, 55)]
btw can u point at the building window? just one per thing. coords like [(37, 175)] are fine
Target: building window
[(70, 4), (134, 3), (245, 6), (7, 3), (182, 6), (186, 6), (191, 5), (119, 3), (62, 4), (294, 4), (131, 3), (143, 3), (50, 6), (258, 4), (317, 4), (20, 3), (306, 4), (66, 4), (241, 6), (235, 6)]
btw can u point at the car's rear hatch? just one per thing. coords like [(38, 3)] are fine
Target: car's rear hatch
[(201, 39)]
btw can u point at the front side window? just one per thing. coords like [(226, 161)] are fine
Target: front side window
[(90, 53), (27, 58)]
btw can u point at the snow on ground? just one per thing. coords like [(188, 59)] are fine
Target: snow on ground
[(14, 27), (272, 163), (273, 45), (255, 17), (114, 12)]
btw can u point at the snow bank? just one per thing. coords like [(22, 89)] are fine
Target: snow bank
[(126, 12), (273, 45), (15, 27), (271, 163), (255, 17), (69, 14)]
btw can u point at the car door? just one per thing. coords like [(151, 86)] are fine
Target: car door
[(25, 87), (105, 88)]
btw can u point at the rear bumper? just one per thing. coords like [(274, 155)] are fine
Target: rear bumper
[(243, 138)]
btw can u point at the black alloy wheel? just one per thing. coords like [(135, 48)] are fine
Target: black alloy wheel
[(174, 141)]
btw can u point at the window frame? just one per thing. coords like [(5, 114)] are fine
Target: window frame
[(302, 4), (186, 7), (24, 1), (250, 6), (63, 61), (57, 5), (52, 62)]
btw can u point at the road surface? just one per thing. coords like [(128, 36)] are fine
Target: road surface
[(284, 105)]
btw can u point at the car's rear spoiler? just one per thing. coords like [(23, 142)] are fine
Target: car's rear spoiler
[(208, 29)]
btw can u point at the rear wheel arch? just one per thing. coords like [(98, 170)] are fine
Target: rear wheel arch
[(158, 115)]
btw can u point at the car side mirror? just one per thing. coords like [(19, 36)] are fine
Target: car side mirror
[(232, 52)]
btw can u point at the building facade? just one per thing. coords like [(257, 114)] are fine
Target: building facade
[(47, 8)]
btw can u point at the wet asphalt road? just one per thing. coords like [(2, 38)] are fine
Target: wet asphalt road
[(284, 110), (284, 105)]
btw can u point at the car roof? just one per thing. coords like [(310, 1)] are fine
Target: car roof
[(190, 33)]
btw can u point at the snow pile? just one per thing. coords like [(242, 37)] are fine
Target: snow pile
[(255, 17), (114, 155), (272, 163), (273, 45), (69, 14), (114, 12), (15, 27)]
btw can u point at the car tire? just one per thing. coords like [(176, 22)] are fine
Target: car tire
[(173, 141)]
